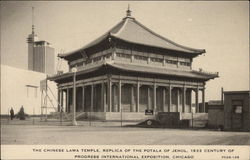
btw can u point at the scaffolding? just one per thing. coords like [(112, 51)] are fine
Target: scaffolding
[(45, 98)]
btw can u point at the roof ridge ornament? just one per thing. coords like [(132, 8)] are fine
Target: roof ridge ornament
[(129, 11), (128, 14)]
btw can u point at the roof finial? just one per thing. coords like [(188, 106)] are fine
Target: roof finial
[(33, 26), (129, 11)]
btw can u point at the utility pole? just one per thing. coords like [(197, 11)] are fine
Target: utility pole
[(74, 123)]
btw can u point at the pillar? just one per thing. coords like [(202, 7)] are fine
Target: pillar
[(113, 53), (132, 58), (115, 97), (138, 97), (132, 108), (83, 98), (163, 99), (170, 98), (154, 97), (149, 97), (92, 98), (184, 99), (148, 60), (102, 104), (109, 95), (104, 97), (178, 99), (190, 93), (120, 96), (61, 103), (197, 100), (203, 100), (67, 100)]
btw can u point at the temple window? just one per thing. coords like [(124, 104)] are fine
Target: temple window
[(185, 63), (122, 55), (171, 61), (97, 59), (156, 60), (141, 58), (107, 56), (79, 64), (88, 61)]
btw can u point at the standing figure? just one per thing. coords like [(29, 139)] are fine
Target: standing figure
[(21, 114), (11, 113)]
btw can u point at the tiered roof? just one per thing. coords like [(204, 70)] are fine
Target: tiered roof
[(132, 31), (145, 70)]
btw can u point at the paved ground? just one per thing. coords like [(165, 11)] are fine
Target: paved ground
[(103, 133)]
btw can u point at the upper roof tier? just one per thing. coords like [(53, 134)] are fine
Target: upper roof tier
[(132, 31)]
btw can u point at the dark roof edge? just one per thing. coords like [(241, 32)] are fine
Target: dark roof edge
[(237, 92), (105, 35), (199, 51), (195, 54), (100, 38), (209, 76)]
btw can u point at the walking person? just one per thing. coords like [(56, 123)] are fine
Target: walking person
[(11, 113)]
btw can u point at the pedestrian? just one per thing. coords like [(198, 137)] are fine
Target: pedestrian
[(21, 114), (12, 113)]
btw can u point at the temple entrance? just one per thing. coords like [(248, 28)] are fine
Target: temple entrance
[(128, 98)]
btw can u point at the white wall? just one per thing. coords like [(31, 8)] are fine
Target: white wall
[(15, 93)]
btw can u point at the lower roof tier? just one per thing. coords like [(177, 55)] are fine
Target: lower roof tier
[(134, 70)]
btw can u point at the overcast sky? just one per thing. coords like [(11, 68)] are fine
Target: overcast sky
[(222, 28)]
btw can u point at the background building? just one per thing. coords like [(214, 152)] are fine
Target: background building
[(215, 114), (41, 56), (20, 87), (232, 113), (237, 110)]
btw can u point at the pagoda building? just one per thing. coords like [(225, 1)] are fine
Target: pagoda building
[(131, 70)]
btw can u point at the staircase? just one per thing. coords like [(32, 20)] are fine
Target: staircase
[(69, 116)]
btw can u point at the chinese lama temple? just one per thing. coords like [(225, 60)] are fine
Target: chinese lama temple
[(130, 70)]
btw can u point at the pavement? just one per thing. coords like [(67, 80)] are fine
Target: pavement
[(34, 131)]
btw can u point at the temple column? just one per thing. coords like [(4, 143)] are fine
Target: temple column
[(184, 99), (138, 97), (67, 100), (61, 104), (83, 98), (132, 108), (178, 100), (149, 97), (203, 100), (109, 95), (92, 98), (104, 97), (155, 98), (132, 58), (170, 98), (197, 100), (163, 99), (190, 110), (115, 97), (120, 96), (148, 60)]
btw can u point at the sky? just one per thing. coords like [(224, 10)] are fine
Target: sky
[(222, 28)]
